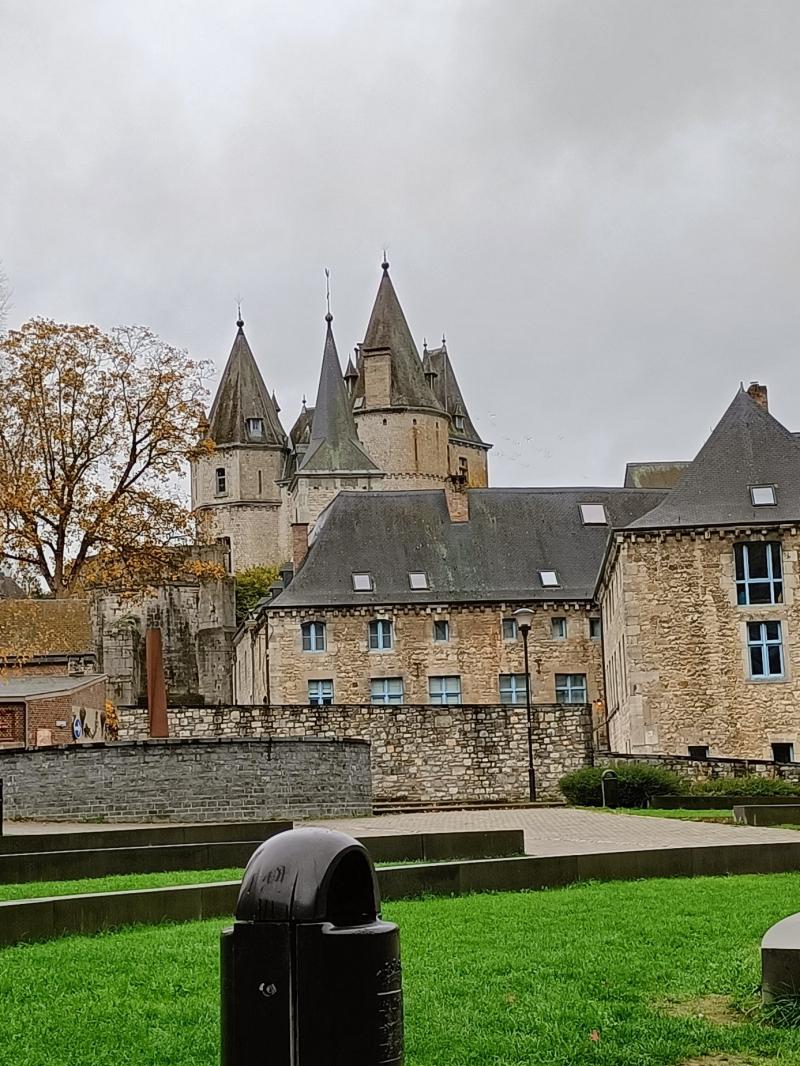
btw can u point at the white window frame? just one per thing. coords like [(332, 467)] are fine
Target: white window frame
[(593, 514), (316, 632), (549, 579), (441, 622), (515, 628), (763, 491), (255, 427), (449, 688), (570, 688), (363, 581), (744, 584), (380, 634), (323, 696), (418, 580), (221, 482), (385, 690), (596, 624), (763, 643), (558, 628), (513, 689)]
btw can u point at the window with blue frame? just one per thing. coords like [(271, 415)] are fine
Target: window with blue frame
[(513, 688), (320, 692), (380, 635), (765, 644), (386, 690), (313, 636), (570, 688), (445, 689), (759, 572)]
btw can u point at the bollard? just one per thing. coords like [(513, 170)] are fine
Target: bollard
[(609, 788), (780, 961), (310, 975)]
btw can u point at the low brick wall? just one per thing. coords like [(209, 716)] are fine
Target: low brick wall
[(702, 769), (426, 753), (188, 780)]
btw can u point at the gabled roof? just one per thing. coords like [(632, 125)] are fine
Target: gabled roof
[(445, 387), (19, 689), (388, 329), (495, 556), (334, 444), (748, 447), (242, 394)]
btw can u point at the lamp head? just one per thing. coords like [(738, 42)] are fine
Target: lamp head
[(524, 617)]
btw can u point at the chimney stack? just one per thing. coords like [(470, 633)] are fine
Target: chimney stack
[(457, 503), (758, 393), (299, 543)]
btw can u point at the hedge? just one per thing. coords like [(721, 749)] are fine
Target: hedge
[(636, 783), (751, 785)]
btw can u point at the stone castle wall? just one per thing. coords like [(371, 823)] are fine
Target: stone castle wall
[(684, 657), (425, 753), (188, 781), (406, 442)]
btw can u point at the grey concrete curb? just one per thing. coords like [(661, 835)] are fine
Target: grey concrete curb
[(43, 919), (141, 836), (774, 814)]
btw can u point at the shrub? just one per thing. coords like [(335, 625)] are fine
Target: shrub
[(752, 785), (637, 782)]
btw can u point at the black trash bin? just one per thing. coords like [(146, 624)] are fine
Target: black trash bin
[(310, 975), (609, 787)]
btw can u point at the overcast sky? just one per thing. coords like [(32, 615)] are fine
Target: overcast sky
[(597, 201)]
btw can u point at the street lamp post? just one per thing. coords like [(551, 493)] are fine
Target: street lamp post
[(524, 617)]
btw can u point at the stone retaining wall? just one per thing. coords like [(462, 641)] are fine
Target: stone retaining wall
[(426, 753), (188, 780), (702, 769)]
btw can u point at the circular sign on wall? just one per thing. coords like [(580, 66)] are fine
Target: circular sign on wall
[(77, 728)]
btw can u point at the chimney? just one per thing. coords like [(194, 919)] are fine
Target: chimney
[(457, 503), (758, 393), (299, 543)]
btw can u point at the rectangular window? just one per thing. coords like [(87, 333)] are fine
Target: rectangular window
[(363, 583), (386, 690), (570, 688), (418, 581), (783, 752), (445, 689), (698, 751), (221, 480), (595, 629), (380, 635), (463, 468), (255, 427), (509, 629), (513, 688), (313, 636), (441, 631), (320, 692), (762, 495), (549, 579), (759, 572), (766, 649), (593, 514), (260, 483), (558, 628)]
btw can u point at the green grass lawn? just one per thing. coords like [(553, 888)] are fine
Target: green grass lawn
[(116, 883), (588, 974), (684, 815)]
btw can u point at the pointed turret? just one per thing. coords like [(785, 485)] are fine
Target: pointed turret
[(243, 411), (402, 383), (747, 472), (440, 373), (334, 444), (350, 377)]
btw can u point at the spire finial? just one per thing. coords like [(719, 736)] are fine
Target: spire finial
[(444, 340), (239, 319), (328, 315), (424, 344), (385, 263)]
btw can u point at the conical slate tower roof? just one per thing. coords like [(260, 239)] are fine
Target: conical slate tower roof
[(334, 445), (242, 395), (748, 448), (447, 392), (388, 329)]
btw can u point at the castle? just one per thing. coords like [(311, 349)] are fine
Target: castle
[(392, 421)]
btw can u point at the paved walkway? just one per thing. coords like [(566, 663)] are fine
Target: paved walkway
[(561, 831)]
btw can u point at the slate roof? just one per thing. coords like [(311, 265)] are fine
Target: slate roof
[(447, 392), (495, 556), (242, 394), (334, 444), (13, 689), (747, 447), (660, 475), (388, 329)]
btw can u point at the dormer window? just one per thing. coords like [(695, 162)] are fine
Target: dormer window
[(255, 428), (593, 514), (459, 422), (762, 495), (418, 580), (549, 579), (363, 583)]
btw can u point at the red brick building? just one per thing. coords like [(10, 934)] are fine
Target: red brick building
[(38, 711)]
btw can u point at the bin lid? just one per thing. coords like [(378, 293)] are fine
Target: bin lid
[(309, 875)]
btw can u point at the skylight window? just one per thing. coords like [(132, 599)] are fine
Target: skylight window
[(762, 495), (363, 583), (549, 579), (593, 514), (418, 580)]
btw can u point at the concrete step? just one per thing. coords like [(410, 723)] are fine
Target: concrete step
[(422, 807)]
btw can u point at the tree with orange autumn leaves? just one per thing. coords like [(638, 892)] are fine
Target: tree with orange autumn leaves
[(96, 428)]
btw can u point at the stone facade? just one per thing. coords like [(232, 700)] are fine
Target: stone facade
[(676, 654), (189, 781), (271, 663), (707, 769), (409, 444), (420, 753)]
